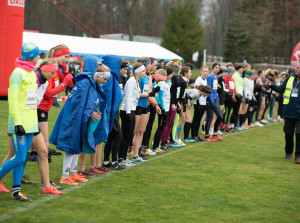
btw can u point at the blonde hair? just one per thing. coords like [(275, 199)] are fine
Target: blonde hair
[(223, 68), (58, 47), (136, 66), (172, 64), (203, 67), (162, 72), (45, 62), (102, 68)]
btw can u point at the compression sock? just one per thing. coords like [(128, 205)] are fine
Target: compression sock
[(67, 164)]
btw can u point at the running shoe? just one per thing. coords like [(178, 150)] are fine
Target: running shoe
[(263, 122), (108, 165), (79, 178), (197, 139), (130, 151), (3, 189), (80, 175), (68, 181), (158, 150), (144, 157), (25, 180), (87, 173), (222, 126), (117, 166), (138, 160), (104, 169), (239, 128), (288, 156), (174, 144), (243, 128), (258, 124), (147, 152), (297, 160), (127, 164), (51, 184), (203, 132), (189, 140), (209, 139), (220, 133), (129, 161), (247, 126), (179, 142), (21, 197), (216, 137), (252, 125), (96, 171), (54, 152), (51, 190)]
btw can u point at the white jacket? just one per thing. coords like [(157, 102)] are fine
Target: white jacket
[(132, 95)]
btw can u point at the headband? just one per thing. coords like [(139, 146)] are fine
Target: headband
[(146, 62), (138, 70), (248, 73), (61, 52), (49, 67), (124, 64), (225, 71), (160, 77), (102, 74)]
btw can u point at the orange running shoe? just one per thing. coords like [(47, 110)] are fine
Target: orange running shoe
[(3, 189), (77, 177), (51, 190), (68, 181)]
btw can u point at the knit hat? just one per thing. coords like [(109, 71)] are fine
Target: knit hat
[(231, 69), (29, 51)]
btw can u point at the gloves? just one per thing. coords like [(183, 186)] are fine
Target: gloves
[(154, 91), (64, 67), (68, 79), (20, 131)]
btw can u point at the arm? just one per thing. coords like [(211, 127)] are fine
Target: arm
[(129, 90), (280, 88), (15, 81), (210, 83), (160, 96), (50, 92)]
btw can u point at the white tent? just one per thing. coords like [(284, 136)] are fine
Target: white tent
[(82, 46)]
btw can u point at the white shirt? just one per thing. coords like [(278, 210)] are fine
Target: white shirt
[(194, 94), (166, 94), (249, 88), (200, 81), (132, 95)]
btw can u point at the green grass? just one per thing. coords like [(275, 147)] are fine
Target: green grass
[(242, 179)]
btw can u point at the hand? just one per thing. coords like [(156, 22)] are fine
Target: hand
[(96, 115), (20, 131), (68, 79), (188, 105), (64, 67), (268, 82), (179, 107), (233, 98), (158, 110), (173, 107)]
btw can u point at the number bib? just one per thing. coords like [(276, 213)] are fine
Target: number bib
[(231, 85), (294, 93), (215, 84), (31, 101), (146, 88), (178, 92)]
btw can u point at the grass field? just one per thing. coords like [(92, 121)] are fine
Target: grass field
[(242, 179)]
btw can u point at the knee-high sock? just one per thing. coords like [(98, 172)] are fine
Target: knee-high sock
[(73, 168), (67, 164), (187, 127)]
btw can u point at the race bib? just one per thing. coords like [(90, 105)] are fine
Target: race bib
[(231, 85), (168, 98), (146, 88), (31, 101), (294, 93), (202, 100), (178, 92), (184, 93), (215, 84)]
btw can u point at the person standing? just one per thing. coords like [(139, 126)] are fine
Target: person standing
[(291, 112)]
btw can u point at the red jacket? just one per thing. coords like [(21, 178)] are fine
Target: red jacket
[(54, 87), (230, 84)]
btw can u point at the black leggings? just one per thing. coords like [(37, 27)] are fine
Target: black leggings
[(228, 108), (113, 141), (199, 110), (127, 131), (235, 112), (162, 121), (210, 116), (280, 105), (147, 133)]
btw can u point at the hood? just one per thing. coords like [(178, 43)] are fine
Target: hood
[(90, 64), (114, 63)]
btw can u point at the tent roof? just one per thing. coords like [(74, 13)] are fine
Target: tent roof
[(82, 46)]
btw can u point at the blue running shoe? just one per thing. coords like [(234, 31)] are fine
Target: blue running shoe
[(138, 160)]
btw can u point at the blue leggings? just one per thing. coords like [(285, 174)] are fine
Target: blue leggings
[(17, 163)]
